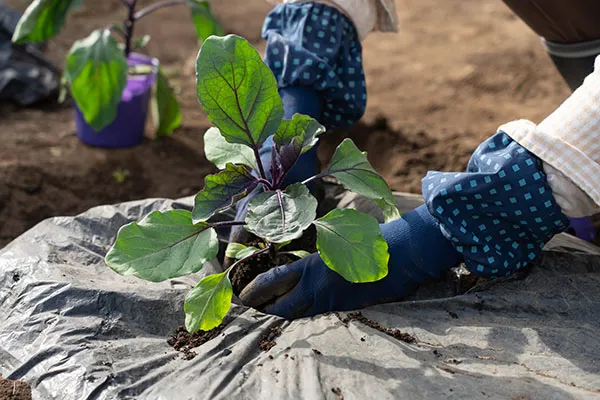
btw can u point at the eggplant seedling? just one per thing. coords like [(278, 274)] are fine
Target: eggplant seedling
[(97, 67), (239, 94)]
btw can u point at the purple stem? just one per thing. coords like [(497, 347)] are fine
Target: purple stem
[(129, 25)]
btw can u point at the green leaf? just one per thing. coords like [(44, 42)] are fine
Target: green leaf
[(351, 167), (208, 302), (222, 190), (205, 22), (97, 71), (43, 19), (237, 90), (295, 137), (281, 216), (165, 108), (297, 253), (220, 152), (142, 42), (162, 246), (351, 244), (238, 251)]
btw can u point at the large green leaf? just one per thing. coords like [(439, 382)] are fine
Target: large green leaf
[(205, 22), (351, 167), (295, 137), (351, 244), (165, 108), (237, 90), (208, 302), (222, 190), (220, 152), (281, 216), (43, 19), (97, 70), (163, 245)]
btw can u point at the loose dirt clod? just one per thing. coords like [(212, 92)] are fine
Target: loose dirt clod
[(14, 390), (267, 341), (184, 341), (338, 392), (395, 333)]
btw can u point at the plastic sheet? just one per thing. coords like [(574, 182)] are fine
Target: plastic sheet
[(26, 77), (74, 329)]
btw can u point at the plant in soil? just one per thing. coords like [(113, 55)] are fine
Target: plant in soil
[(97, 67), (239, 94)]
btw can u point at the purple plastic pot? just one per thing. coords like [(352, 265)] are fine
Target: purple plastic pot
[(128, 127), (583, 228)]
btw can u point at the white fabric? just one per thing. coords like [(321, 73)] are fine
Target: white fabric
[(367, 15), (569, 139), (572, 200)]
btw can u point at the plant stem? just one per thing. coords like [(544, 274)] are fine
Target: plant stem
[(259, 163), (129, 25), (226, 223), (315, 177), (157, 6), (266, 183)]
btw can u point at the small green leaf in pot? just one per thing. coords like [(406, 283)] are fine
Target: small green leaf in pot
[(205, 22), (165, 108), (237, 90), (351, 244), (351, 167), (237, 251), (222, 190), (281, 216), (97, 71), (208, 302), (220, 152), (295, 137), (42, 20), (162, 246)]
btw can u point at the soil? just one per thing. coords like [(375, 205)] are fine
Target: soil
[(244, 272), (395, 333), (267, 341), (14, 390), (454, 73), (338, 393), (184, 341)]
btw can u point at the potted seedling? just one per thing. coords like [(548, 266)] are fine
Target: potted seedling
[(239, 94), (111, 84)]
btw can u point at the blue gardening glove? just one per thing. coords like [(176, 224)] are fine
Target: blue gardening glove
[(418, 253), (296, 100)]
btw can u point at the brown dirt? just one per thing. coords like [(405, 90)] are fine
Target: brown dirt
[(455, 72), (338, 393), (267, 341), (395, 333), (184, 341), (14, 390)]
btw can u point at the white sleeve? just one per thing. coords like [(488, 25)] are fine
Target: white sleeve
[(573, 201)]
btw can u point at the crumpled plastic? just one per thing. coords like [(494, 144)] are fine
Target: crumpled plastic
[(26, 77), (74, 329)]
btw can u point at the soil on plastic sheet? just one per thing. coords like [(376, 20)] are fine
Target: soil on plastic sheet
[(14, 390), (453, 74), (185, 342), (395, 333)]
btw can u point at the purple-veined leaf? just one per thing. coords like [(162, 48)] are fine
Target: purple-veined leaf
[(237, 90), (222, 190), (295, 137), (281, 216)]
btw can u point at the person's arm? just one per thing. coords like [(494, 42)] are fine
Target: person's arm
[(496, 216)]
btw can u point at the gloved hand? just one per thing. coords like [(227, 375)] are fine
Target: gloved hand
[(296, 100), (418, 253)]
